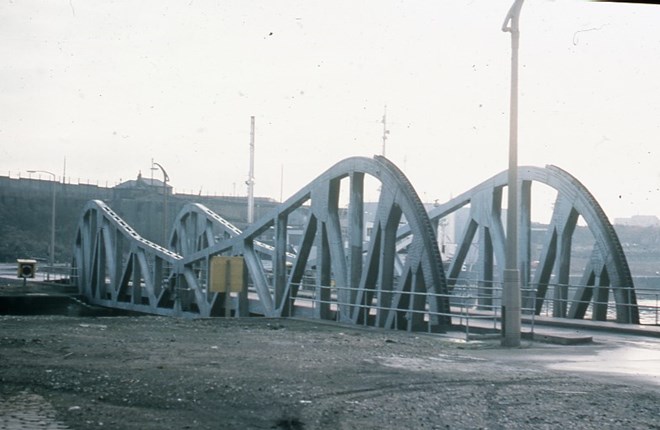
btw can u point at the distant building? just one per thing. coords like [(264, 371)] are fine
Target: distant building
[(140, 185), (639, 221)]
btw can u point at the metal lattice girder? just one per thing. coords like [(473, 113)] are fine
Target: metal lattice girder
[(352, 279), (115, 267), (336, 272), (607, 269)]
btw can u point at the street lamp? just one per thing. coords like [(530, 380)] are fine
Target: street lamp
[(165, 179), (511, 289), (51, 256)]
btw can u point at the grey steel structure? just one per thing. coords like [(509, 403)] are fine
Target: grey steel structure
[(392, 278), (607, 269), (335, 274)]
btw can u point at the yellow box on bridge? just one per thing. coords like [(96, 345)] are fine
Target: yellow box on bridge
[(226, 274)]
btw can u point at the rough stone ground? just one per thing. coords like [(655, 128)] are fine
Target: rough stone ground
[(155, 372)]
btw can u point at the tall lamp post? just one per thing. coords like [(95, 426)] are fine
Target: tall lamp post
[(165, 179), (250, 181), (51, 256), (511, 290)]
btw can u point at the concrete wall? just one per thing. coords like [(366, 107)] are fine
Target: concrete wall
[(25, 213)]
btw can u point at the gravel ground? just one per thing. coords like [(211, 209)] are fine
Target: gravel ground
[(153, 372)]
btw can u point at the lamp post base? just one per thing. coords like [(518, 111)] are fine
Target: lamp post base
[(511, 308)]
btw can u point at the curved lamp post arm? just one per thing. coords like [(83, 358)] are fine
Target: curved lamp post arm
[(166, 178), (511, 21)]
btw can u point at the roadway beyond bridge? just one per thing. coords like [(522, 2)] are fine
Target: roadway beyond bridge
[(386, 273)]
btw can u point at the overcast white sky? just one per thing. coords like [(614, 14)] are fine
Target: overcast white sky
[(111, 85)]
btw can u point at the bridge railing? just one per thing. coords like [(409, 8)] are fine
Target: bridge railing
[(54, 273), (476, 306), (473, 309), (558, 301), (559, 298), (479, 302)]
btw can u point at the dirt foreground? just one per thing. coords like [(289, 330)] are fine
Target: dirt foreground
[(155, 372)]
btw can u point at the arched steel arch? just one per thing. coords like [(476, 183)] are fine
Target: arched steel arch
[(114, 266), (607, 270), (196, 227), (353, 280)]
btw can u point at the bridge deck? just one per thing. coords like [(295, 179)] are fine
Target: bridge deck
[(473, 326)]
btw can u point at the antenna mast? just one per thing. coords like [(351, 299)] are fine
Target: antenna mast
[(385, 130), (250, 181)]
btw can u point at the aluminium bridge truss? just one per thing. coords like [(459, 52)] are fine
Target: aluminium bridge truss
[(341, 266)]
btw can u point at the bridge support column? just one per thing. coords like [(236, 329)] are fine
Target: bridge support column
[(511, 308)]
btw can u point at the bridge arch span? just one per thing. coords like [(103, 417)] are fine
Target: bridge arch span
[(607, 268)]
